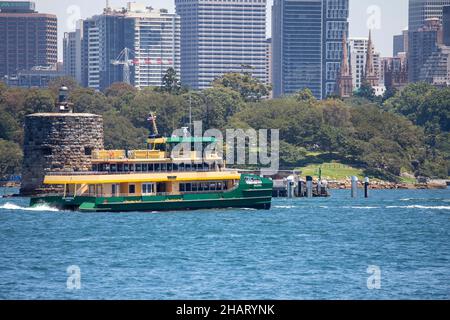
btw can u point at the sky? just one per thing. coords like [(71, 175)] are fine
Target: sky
[(384, 17)]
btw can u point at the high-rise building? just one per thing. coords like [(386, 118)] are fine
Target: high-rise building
[(69, 54), (423, 10), (400, 43), (72, 53), (422, 44), (151, 39), (156, 45), (436, 69), (446, 25), (27, 39), (269, 61), (358, 60), (105, 41), (307, 45), (221, 36)]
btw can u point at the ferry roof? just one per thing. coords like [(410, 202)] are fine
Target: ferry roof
[(174, 140), (140, 178)]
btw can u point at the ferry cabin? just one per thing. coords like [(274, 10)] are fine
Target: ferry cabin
[(141, 173)]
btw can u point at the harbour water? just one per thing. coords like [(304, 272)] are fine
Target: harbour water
[(301, 249)]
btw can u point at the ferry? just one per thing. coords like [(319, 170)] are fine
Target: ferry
[(154, 180)]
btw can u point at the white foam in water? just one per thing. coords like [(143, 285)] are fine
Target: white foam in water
[(285, 207), (420, 207), (12, 206)]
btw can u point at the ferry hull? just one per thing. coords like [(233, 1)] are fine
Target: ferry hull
[(245, 196)]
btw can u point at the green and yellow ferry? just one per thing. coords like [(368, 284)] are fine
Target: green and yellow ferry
[(154, 180)]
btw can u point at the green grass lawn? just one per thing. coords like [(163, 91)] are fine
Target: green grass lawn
[(332, 171)]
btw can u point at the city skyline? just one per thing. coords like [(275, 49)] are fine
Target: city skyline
[(386, 18)]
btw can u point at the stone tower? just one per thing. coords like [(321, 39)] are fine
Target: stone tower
[(345, 79), (370, 75), (58, 142)]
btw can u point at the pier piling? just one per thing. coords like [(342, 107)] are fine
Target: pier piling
[(309, 187), (366, 187), (354, 187)]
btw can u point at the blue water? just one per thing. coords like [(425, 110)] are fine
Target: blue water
[(301, 249)]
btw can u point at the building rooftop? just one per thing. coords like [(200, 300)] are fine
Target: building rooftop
[(17, 7)]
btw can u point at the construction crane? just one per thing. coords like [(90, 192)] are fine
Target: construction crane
[(124, 60)]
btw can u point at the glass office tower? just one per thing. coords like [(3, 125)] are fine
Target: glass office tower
[(307, 45), (220, 36), (422, 10)]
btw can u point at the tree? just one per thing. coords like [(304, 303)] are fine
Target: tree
[(89, 100), (120, 89), (389, 93), (69, 82), (9, 127), (170, 82), (219, 105), (305, 95), (10, 158), (121, 134), (3, 88), (250, 88), (38, 101), (366, 91)]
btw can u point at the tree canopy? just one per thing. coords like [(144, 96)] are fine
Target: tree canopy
[(408, 132)]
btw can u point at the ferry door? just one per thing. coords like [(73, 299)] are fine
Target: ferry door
[(115, 189), (148, 189)]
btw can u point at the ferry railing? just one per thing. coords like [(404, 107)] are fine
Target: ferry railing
[(96, 173)]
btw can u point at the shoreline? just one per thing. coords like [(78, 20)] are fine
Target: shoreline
[(383, 185)]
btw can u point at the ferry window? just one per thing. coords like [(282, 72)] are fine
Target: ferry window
[(157, 167), (206, 167), (131, 189), (188, 187), (94, 167), (91, 190), (115, 190), (213, 186), (145, 167), (188, 167), (182, 187), (87, 151), (175, 167), (169, 167), (107, 167), (181, 167), (113, 168), (139, 167), (151, 167), (120, 167), (148, 188), (132, 168), (161, 187), (195, 187), (126, 168), (163, 167)]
